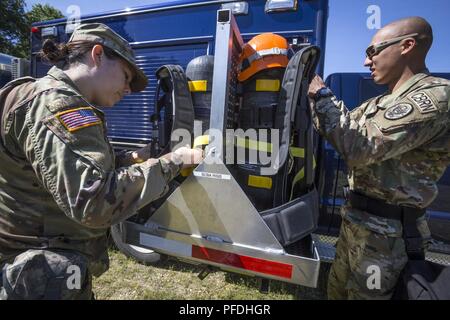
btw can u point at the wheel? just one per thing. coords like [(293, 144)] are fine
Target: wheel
[(142, 255)]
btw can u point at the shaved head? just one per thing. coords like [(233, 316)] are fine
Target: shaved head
[(410, 25), (392, 57)]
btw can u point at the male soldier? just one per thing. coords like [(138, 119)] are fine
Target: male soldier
[(396, 147), (61, 185)]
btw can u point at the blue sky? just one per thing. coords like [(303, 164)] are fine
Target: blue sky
[(347, 26)]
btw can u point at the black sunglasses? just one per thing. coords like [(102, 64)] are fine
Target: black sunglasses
[(375, 49)]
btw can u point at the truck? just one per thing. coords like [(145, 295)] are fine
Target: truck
[(208, 218), (5, 69), (12, 68)]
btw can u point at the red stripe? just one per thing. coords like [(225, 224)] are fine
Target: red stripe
[(70, 114), (81, 120), (244, 262), (74, 119)]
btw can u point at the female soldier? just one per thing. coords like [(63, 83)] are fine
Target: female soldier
[(61, 185)]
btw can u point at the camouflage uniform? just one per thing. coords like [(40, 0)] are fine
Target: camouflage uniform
[(61, 187), (396, 147)]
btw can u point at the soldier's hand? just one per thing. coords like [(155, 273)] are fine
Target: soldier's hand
[(142, 154), (315, 85), (190, 157)]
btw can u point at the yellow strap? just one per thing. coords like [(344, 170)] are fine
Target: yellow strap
[(299, 176), (253, 144), (198, 85), (198, 142), (260, 182), (297, 152), (186, 172), (268, 85), (267, 147), (201, 141)]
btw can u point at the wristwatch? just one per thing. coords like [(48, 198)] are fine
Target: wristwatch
[(136, 158), (323, 93)]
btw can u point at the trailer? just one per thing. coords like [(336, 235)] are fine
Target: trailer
[(208, 218)]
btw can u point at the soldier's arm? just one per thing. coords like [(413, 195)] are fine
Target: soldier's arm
[(124, 158), (387, 134), (78, 170), (127, 158)]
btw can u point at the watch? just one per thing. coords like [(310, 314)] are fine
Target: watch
[(323, 93), (136, 158)]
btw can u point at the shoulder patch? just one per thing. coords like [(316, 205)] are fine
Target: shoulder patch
[(76, 119), (61, 102), (423, 102), (398, 111)]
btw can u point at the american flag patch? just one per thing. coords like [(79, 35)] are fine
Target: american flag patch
[(76, 119)]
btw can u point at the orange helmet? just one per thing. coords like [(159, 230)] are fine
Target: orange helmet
[(263, 51)]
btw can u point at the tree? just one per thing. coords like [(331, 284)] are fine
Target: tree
[(15, 25), (44, 12), (37, 13)]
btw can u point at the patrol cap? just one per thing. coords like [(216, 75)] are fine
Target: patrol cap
[(100, 33)]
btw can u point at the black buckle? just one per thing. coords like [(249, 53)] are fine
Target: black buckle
[(410, 215), (357, 201), (414, 244), (414, 248)]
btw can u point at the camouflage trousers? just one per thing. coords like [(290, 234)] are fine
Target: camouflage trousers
[(46, 274), (367, 264)]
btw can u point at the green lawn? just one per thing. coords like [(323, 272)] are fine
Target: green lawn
[(127, 279)]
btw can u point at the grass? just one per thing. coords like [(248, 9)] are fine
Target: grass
[(128, 279)]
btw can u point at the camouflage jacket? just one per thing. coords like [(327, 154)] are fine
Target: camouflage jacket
[(396, 145), (60, 185)]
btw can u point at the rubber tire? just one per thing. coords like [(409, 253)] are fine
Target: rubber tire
[(142, 255)]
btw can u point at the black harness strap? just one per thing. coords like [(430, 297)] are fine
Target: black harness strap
[(173, 81), (406, 215), (293, 109)]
